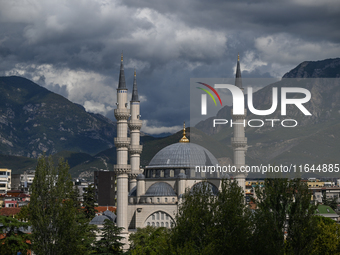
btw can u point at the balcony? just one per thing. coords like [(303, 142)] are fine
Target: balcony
[(135, 124), (122, 114), (135, 149), (122, 142)]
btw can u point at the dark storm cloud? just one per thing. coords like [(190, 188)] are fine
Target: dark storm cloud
[(73, 47)]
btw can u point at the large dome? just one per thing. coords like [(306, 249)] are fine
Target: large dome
[(182, 155)]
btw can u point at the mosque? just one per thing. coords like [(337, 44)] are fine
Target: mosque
[(152, 196)]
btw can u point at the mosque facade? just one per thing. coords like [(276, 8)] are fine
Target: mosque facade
[(152, 196)]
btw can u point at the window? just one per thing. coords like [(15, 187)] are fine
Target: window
[(173, 199), (166, 200), (162, 173), (158, 200), (159, 219), (172, 173)]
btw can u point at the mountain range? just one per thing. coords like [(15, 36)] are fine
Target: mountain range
[(316, 138), (34, 121)]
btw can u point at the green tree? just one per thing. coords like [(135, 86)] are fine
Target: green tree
[(86, 230), (232, 228), (14, 239), (328, 238), (110, 242), (89, 202), (150, 241), (191, 231), (301, 219), (284, 221), (210, 223), (54, 211), (23, 214)]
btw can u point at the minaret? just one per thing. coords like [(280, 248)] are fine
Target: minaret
[(135, 125), (239, 141), (122, 142)]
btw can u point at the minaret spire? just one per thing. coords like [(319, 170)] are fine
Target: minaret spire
[(238, 79), (135, 124), (121, 84), (134, 90), (184, 139), (239, 140)]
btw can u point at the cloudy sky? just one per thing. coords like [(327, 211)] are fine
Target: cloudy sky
[(73, 47)]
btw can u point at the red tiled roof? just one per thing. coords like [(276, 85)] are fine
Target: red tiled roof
[(23, 195), (101, 209), (9, 211)]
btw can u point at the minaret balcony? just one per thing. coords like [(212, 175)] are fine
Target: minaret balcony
[(122, 142), (122, 114), (135, 149), (135, 124), (122, 169), (239, 141)]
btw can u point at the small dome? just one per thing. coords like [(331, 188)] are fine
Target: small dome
[(183, 155), (160, 189), (99, 220), (208, 186), (110, 214)]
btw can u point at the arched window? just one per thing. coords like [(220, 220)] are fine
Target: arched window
[(159, 219)]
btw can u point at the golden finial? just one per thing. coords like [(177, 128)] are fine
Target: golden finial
[(135, 73), (238, 57), (184, 138), (121, 58)]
